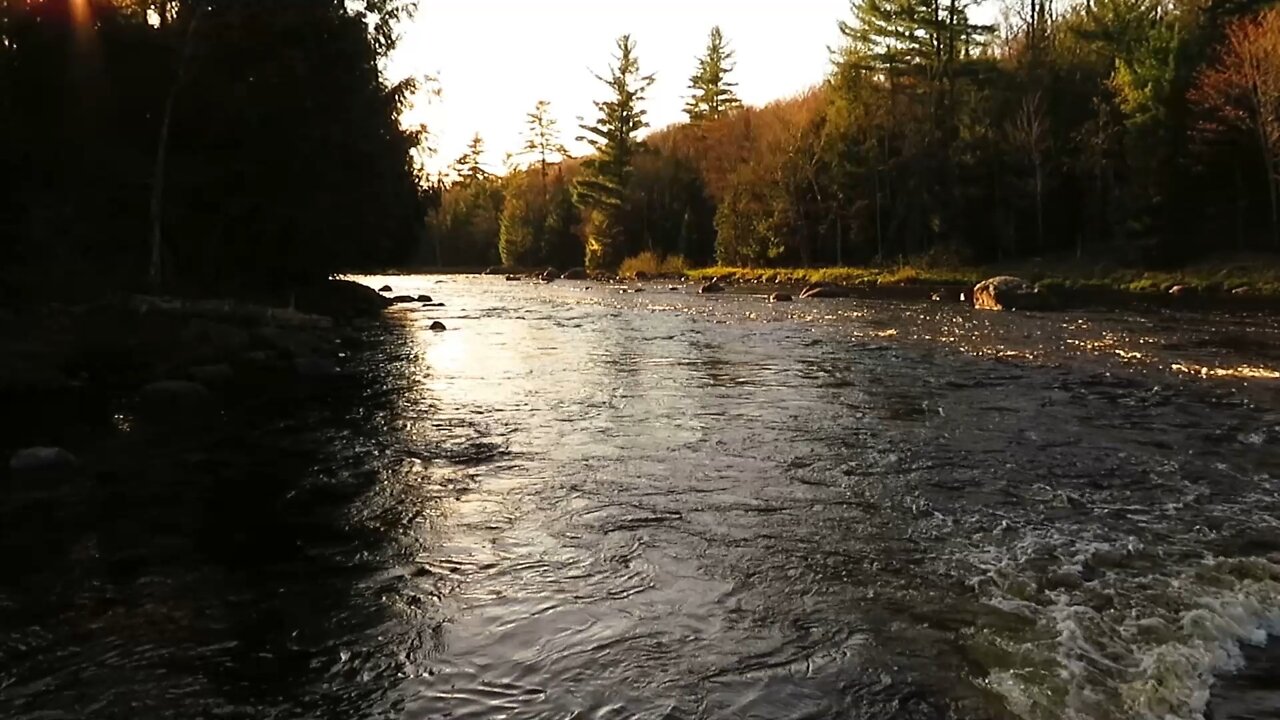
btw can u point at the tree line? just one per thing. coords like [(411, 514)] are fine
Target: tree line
[(202, 145), (1131, 131)]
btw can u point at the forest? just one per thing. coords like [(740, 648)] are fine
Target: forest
[(232, 146), (203, 146), (1142, 132)]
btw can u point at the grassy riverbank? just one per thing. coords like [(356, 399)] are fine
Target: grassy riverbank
[(1257, 276)]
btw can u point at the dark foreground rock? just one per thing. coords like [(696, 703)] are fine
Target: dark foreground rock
[(1006, 292), (42, 460), (780, 297), (341, 299)]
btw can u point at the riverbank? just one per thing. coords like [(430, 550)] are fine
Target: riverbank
[(1235, 277)]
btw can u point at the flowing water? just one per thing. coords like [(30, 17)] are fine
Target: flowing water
[(580, 502)]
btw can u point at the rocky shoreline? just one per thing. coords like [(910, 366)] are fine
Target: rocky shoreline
[(70, 369)]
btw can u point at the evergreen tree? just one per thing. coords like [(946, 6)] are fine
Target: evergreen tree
[(601, 189), (713, 93), (469, 167), (543, 140)]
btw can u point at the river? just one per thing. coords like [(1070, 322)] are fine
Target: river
[(582, 502)]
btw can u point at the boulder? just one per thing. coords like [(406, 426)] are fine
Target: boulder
[(403, 299), (780, 297), (1007, 293), (1183, 290), (549, 274), (496, 270), (385, 288), (424, 298), (210, 339), (640, 275), (824, 290), (211, 374), (175, 398), (42, 460), (341, 299), (315, 367), (513, 278), (1246, 290), (574, 274), (437, 326), (712, 287), (431, 305)]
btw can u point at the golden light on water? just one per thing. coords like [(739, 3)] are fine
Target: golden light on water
[(1240, 371)]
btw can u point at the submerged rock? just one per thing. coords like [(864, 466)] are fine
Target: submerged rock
[(780, 297), (824, 290), (403, 299), (424, 298), (385, 288), (1006, 292), (438, 326)]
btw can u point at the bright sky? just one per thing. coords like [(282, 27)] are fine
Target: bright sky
[(496, 58)]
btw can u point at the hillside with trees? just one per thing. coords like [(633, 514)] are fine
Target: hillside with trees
[(1137, 131)]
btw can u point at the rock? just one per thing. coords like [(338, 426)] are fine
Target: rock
[(640, 275), (438, 326), (574, 274), (513, 278), (780, 297), (42, 460), (431, 305), (1242, 291), (341, 299), (549, 274), (1007, 293), (214, 341), (824, 290), (315, 367), (424, 298), (403, 299), (211, 374), (1183, 290), (712, 287), (175, 397), (673, 288), (385, 288), (496, 270), (1063, 580)]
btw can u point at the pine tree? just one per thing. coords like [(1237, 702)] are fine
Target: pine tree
[(543, 140), (713, 93), (601, 189), (468, 166)]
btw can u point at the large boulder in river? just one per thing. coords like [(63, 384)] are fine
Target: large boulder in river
[(780, 297), (574, 274), (1006, 292), (404, 299), (341, 299), (712, 287), (824, 290), (549, 274), (175, 398)]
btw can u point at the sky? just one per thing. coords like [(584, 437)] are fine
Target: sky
[(495, 59)]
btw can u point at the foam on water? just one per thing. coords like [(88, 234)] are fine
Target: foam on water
[(1139, 641)]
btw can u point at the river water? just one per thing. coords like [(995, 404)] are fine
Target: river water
[(582, 502)]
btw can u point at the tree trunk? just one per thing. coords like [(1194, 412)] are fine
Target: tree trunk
[(1039, 208), (155, 273)]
